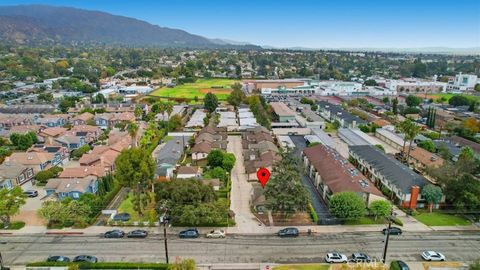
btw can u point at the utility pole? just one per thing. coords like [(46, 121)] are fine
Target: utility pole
[(164, 219), (387, 236)]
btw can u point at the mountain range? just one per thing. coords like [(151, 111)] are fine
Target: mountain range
[(42, 24)]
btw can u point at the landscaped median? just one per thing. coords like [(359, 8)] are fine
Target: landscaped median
[(101, 265)]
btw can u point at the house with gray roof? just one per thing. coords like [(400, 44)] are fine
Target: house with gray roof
[(14, 174), (169, 155), (71, 187), (387, 173), (334, 112)]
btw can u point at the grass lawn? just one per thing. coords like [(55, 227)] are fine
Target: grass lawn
[(127, 207), (220, 87), (440, 219), (447, 96), (302, 267), (15, 225), (365, 221), (329, 127)]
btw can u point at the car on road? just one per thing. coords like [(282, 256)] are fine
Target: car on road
[(122, 217), (402, 265), (189, 233), (114, 234), (336, 258), (58, 259), (360, 257), (216, 234), (85, 258), (393, 231), (31, 193), (288, 232), (433, 256), (137, 234)]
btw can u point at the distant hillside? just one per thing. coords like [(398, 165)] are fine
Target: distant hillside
[(34, 24)]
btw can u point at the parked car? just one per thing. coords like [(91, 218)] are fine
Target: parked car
[(58, 259), (288, 232), (336, 258), (402, 265), (433, 256), (31, 193), (190, 233), (216, 234), (137, 234), (393, 231), (360, 257), (85, 258), (122, 217), (114, 234)]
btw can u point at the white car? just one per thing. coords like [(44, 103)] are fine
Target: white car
[(433, 256), (336, 258), (216, 234)]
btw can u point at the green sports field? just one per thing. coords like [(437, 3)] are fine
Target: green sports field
[(219, 87)]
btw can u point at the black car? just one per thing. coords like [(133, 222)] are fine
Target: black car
[(122, 217), (114, 234), (137, 234), (190, 233), (360, 257), (288, 232), (31, 193), (85, 258), (393, 231), (403, 265), (58, 259)]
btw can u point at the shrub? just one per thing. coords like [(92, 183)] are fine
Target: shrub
[(395, 266), (104, 265), (397, 221), (313, 214)]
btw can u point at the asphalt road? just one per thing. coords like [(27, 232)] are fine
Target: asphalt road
[(457, 246)]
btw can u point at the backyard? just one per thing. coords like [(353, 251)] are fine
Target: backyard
[(441, 219), (126, 206), (219, 87)]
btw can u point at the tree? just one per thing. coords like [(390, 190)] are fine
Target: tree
[(285, 192), (210, 102), (228, 161), (347, 206), (464, 193), (215, 158), (10, 203), (135, 168), (466, 153), (459, 100), (432, 194), (23, 141), (138, 112), (169, 109), (371, 82), (477, 87), (216, 172), (237, 96), (413, 101), (410, 131), (395, 106), (427, 145), (188, 264), (47, 97), (132, 131), (380, 208)]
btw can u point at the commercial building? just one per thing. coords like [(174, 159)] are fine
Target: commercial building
[(388, 174), (414, 85), (462, 83), (282, 112)]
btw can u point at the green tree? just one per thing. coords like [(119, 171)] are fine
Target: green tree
[(466, 153), (380, 208), (395, 106), (427, 145), (138, 112), (210, 102), (459, 100), (464, 192), (228, 161), (133, 131), (370, 82), (10, 203), (432, 194), (188, 264), (237, 96), (47, 97), (216, 172), (413, 101), (347, 206), (477, 87), (285, 192), (215, 158)]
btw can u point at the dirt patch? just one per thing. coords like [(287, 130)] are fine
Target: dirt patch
[(215, 91), (30, 218), (298, 219)]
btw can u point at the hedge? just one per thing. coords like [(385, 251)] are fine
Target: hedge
[(105, 265), (395, 266), (313, 214)]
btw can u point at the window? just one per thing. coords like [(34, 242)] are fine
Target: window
[(75, 195), (29, 173), (21, 178)]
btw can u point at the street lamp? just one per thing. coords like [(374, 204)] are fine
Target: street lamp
[(165, 219), (387, 235)]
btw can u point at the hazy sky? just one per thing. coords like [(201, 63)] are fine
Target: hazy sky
[(307, 23)]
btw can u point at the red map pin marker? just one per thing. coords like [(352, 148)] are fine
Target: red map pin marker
[(263, 175)]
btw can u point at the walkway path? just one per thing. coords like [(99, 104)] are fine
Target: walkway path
[(245, 221)]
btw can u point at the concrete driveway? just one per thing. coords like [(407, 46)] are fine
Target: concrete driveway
[(28, 212)]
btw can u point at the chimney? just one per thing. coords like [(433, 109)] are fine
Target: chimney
[(414, 192)]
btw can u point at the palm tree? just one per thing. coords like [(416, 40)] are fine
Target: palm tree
[(132, 131), (403, 127), (411, 132), (169, 109)]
